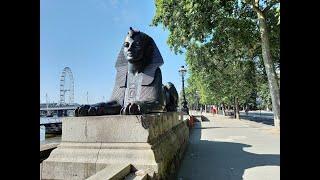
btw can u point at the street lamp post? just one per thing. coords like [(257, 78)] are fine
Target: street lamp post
[(184, 108)]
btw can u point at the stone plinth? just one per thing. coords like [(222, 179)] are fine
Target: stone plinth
[(153, 142)]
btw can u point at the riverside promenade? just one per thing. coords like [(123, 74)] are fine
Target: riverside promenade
[(223, 148)]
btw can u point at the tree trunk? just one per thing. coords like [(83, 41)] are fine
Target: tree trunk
[(269, 67), (237, 113), (234, 107), (223, 109)]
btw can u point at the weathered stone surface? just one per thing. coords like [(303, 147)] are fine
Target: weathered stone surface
[(133, 176), (114, 172), (40, 171), (117, 128), (48, 146), (46, 149), (153, 142)]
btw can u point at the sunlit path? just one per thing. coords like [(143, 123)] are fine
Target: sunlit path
[(229, 149)]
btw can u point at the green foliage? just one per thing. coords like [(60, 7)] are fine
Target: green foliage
[(222, 44), (201, 21), (263, 92)]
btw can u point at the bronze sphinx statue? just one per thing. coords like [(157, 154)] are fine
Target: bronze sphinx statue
[(138, 88)]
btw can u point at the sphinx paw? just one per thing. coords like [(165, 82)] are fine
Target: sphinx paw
[(125, 110), (134, 109), (92, 111)]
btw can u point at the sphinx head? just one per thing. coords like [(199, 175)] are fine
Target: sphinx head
[(137, 47)]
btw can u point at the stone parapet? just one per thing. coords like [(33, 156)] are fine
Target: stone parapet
[(118, 128), (152, 142)]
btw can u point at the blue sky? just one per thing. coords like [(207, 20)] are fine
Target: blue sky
[(86, 35)]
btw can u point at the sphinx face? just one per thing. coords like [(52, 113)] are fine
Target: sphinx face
[(133, 49)]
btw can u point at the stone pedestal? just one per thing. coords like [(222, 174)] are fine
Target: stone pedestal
[(153, 142)]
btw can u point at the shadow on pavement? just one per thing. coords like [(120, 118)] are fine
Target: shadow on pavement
[(204, 118), (264, 120), (199, 118), (219, 160)]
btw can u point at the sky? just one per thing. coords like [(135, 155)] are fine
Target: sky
[(86, 35)]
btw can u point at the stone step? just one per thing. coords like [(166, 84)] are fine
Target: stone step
[(112, 172), (45, 150), (133, 176)]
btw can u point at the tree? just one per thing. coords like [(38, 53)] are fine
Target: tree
[(220, 81), (267, 58), (236, 25)]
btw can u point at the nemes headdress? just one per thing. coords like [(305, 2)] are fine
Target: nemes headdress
[(153, 56)]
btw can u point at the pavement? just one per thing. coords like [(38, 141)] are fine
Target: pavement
[(229, 149)]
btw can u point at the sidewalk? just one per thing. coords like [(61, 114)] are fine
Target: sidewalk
[(230, 149)]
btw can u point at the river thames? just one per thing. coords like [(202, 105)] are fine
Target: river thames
[(46, 120)]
